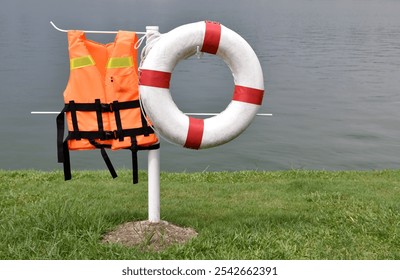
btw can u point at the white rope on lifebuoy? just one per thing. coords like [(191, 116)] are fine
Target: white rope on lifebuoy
[(180, 43)]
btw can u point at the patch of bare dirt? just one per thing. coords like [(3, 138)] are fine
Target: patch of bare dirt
[(149, 236)]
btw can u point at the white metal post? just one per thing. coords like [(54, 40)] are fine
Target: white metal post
[(153, 167), (154, 185)]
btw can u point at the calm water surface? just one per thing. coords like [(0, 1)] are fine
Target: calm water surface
[(331, 70)]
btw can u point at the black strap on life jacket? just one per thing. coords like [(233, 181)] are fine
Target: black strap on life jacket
[(101, 134)]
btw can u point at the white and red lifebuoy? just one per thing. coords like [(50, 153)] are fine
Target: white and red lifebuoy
[(180, 43)]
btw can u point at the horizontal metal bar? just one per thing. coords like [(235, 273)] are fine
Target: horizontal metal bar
[(189, 114)]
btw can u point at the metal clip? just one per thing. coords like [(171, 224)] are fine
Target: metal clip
[(199, 53)]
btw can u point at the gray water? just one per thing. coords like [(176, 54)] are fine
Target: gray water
[(331, 70)]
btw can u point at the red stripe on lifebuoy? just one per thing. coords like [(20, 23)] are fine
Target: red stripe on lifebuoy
[(212, 37), (195, 133), (153, 78), (248, 95)]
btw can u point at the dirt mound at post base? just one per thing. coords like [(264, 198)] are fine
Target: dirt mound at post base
[(149, 236)]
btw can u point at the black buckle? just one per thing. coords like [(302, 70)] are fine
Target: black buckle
[(110, 135), (106, 107)]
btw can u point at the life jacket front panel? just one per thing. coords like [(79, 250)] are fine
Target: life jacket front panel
[(107, 72)]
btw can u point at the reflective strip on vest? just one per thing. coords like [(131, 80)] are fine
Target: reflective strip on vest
[(79, 62), (120, 62)]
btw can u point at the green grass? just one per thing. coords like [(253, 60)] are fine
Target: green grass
[(238, 215)]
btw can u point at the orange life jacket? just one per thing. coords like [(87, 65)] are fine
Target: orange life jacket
[(102, 100)]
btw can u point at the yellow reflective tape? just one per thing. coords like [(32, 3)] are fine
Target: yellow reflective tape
[(120, 62), (79, 62)]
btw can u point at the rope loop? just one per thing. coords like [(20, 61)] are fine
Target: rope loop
[(151, 39), (139, 42)]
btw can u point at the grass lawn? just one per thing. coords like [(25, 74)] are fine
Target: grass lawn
[(294, 214)]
